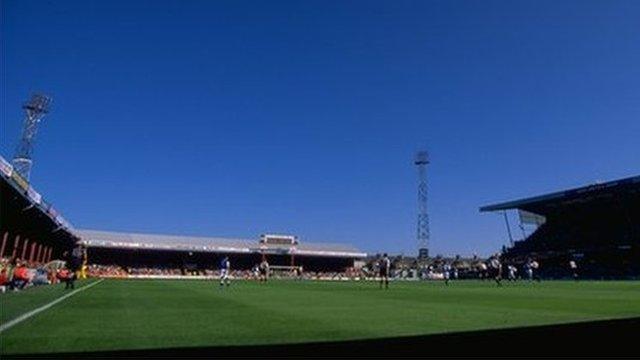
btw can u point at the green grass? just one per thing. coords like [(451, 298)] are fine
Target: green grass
[(13, 305), (139, 314)]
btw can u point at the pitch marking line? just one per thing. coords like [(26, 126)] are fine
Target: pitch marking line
[(31, 313)]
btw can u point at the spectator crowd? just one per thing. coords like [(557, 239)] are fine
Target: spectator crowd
[(17, 274)]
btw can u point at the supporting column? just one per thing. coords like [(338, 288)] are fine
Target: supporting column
[(32, 252), (39, 255), (4, 243), (15, 247), (24, 248)]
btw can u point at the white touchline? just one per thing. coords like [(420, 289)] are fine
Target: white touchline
[(42, 308)]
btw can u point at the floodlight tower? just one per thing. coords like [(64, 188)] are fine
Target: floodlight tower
[(421, 161), (34, 109)]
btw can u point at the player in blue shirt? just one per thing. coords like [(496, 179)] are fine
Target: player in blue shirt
[(225, 269)]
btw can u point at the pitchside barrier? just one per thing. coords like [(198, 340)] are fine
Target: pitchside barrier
[(217, 277)]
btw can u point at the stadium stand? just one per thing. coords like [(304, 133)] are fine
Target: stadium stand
[(199, 254), (33, 234), (596, 226), (31, 228)]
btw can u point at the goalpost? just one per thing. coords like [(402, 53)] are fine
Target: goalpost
[(282, 270)]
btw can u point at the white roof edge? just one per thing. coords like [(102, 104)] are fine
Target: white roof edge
[(213, 249)]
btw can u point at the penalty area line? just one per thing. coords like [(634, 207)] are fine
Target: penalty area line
[(42, 308)]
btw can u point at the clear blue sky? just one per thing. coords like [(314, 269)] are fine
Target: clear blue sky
[(235, 118)]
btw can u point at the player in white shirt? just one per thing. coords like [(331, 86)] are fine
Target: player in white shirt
[(256, 272), (528, 270), (535, 266), (512, 272), (574, 269), (264, 270), (531, 266), (483, 271), (496, 269), (225, 269), (446, 272)]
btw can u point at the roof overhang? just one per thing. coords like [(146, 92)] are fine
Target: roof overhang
[(224, 248), (582, 194)]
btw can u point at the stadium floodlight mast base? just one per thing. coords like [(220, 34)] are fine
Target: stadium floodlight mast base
[(421, 161), (35, 109)]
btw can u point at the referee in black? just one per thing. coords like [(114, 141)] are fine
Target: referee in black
[(74, 262), (383, 267)]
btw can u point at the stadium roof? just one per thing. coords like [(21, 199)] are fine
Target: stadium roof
[(28, 212), (95, 238), (546, 203)]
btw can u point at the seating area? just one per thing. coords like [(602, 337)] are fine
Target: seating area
[(17, 274)]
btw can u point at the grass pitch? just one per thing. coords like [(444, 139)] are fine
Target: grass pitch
[(143, 314)]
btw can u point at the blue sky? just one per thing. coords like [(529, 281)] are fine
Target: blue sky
[(236, 118)]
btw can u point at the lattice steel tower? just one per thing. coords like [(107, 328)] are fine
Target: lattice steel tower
[(34, 109), (421, 161)]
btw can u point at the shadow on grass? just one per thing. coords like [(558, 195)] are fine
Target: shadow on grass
[(586, 339)]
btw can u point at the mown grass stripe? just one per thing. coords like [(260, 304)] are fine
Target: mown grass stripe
[(42, 308)]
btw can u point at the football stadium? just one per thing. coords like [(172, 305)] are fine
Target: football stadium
[(147, 291), (252, 179)]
